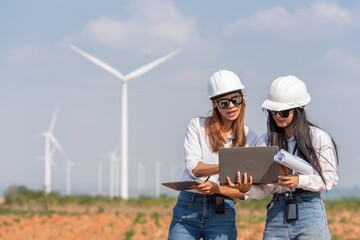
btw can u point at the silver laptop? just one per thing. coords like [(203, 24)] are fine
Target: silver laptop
[(255, 161)]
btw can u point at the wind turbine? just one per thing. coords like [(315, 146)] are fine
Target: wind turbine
[(51, 145), (50, 140), (124, 109), (141, 178), (114, 172), (49, 151), (69, 165)]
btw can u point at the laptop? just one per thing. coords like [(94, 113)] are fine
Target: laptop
[(182, 185), (255, 161)]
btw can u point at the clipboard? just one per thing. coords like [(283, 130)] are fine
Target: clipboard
[(180, 186)]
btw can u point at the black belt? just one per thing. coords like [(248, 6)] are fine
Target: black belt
[(298, 191), (301, 191)]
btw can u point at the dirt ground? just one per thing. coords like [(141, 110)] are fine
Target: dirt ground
[(141, 223)]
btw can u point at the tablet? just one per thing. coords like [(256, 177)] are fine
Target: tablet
[(255, 161), (182, 185)]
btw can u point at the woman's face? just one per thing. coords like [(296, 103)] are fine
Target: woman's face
[(229, 106), (283, 118)]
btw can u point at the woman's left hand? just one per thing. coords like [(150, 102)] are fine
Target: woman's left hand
[(290, 181), (242, 185)]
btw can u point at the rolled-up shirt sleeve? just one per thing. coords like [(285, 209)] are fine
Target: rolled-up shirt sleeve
[(193, 153), (260, 191)]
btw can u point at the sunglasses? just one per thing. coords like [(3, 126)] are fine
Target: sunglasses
[(225, 103), (283, 114)]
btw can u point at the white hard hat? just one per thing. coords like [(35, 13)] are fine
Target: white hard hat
[(286, 93), (223, 81)]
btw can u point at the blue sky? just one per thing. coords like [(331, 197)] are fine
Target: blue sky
[(259, 40)]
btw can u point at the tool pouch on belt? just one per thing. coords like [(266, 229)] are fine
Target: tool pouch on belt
[(219, 204)]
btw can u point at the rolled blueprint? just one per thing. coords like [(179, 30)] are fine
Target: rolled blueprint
[(294, 162)]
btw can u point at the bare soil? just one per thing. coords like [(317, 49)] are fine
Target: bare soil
[(134, 222)]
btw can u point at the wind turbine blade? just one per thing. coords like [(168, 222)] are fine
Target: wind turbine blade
[(98, 62), (56, 144), (41, 135), (53, 119), (59, 147), (149, 66)]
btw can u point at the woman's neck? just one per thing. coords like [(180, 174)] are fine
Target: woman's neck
[(226, 128), (289, 132)]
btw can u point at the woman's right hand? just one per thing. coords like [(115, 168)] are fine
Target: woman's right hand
[(207, 187), (243, 186)]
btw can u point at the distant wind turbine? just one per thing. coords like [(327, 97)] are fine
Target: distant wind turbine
[(69, 165), (114, 172), (51, 143), (124, 109), (157, 179), (141, 178)]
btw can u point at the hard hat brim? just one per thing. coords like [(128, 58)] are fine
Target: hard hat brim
[(276, 106), (226, 93)]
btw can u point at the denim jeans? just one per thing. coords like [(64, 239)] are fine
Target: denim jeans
[(312, 222), (194, 217)]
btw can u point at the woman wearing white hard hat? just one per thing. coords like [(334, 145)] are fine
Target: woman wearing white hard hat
[(207, 211), (296, 210)]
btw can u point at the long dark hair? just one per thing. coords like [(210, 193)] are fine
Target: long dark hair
[(302, 135)]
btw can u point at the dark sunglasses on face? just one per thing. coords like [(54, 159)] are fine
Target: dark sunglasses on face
[(225, 103), (283, 114)]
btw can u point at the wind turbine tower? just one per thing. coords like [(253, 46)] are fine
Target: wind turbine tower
[(114, 162), (69, 165), (124, 105)]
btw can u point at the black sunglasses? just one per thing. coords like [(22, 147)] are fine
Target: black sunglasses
[(283, 114), (225, 103)]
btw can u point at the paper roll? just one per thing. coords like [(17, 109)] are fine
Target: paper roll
[(294, 162)]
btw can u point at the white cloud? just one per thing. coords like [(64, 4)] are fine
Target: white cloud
[(153, 26), (343, 66), (317, 19), (337, 58), (23, 53), (32, 59)]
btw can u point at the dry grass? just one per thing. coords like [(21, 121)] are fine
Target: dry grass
[(147, 219)]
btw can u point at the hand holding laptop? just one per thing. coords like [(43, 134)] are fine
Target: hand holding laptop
[(242, 185)]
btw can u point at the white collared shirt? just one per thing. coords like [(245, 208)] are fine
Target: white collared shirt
[(197, 148), (327, 157)]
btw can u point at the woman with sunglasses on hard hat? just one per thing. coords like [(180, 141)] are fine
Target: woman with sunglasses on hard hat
[(207, 210), (296, 210)]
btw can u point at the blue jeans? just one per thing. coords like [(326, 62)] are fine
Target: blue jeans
[(194, 217), (312, 222)]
